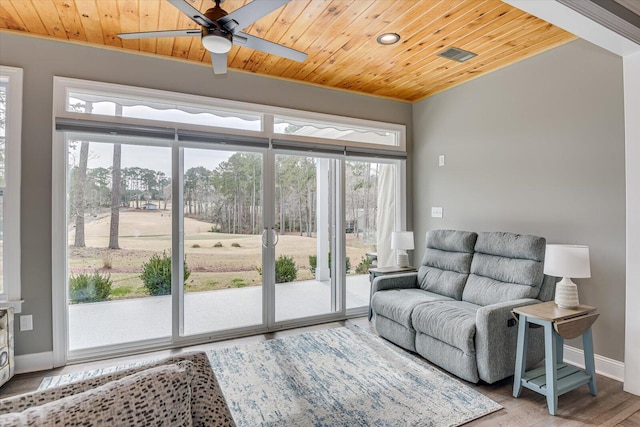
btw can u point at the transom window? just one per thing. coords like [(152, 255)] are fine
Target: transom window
[(190, 112)]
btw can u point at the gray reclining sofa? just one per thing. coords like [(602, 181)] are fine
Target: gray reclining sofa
[(456, 310)]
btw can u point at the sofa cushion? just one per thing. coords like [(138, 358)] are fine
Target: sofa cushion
[(452, 322), (398, 304), (505, 266), (153, 397), (447, 262)]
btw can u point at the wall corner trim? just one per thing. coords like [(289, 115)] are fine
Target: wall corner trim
[(605, 366), (34, 362)]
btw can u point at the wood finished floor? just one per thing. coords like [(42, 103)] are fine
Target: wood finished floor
[(611, 407)]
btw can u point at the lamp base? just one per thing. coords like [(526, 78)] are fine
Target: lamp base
[(402, 258), (566, 294)]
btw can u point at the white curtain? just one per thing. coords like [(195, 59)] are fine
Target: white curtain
[(386, 214)]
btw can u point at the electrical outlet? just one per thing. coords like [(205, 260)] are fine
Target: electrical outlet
[(26, 322), (436, 212)]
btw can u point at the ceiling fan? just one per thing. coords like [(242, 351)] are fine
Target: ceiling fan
[(220, 30)]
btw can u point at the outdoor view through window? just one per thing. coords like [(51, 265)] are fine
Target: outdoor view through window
[(119, 214)]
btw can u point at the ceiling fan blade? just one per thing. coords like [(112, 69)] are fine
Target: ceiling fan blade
[(219, 62), (154, 34), (192, 13), (249, 13), (247, 40)]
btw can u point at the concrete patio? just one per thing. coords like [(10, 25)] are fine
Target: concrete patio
[(125, 321)]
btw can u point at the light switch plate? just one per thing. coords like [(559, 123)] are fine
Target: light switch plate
[(436, 212), (26, 322), (441, 160)]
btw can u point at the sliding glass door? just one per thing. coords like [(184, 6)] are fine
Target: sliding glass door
[(305, 282), (223, 225), (371, 189), (175, 241), (118, 234)]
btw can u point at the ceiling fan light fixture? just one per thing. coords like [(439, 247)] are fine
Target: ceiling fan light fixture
[(388, 38), (217, 42)]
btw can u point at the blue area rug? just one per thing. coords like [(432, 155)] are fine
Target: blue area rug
[(340, 377), (335, 377)]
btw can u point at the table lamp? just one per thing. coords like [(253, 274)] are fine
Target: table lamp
[(402, 241), (567, 261)]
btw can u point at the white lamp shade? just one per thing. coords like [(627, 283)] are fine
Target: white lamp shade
[(567, 261), (402, 240)]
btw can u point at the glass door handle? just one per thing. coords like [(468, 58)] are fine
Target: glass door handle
[(276, 237)]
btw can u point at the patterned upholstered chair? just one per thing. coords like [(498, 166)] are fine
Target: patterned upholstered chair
[(180, 390)]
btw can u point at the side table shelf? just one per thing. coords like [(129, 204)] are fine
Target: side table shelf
[(556, 377), (568, 377)]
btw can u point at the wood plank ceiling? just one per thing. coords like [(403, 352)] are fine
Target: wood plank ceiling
[(338, 35)]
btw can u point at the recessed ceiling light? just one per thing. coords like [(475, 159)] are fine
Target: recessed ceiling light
[(388, 38)]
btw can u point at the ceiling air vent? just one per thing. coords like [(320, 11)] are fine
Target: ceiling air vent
[(457, 54)]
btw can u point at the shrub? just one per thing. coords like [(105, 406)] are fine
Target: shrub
[(214, 229), (217, 245), (364, 265), (286, 270), (313, 263), (235, 245), (89, 288), (195, 246), (156, 274)]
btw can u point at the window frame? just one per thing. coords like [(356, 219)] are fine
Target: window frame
[(11, 295)]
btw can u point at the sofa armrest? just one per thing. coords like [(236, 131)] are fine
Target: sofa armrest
[(395, 281), (496, 339)]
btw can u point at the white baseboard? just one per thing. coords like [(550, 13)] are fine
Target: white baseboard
[(34, 362), (604, 366)]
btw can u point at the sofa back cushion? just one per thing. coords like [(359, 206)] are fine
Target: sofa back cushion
[(505, 266), (447, 262)]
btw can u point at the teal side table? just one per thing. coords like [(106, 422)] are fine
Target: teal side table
[(556, 377)]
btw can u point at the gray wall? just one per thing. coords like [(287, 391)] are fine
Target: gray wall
[(535, 148), (42, 59)]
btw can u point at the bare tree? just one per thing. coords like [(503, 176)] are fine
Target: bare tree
[(81, 183), (115, 197)]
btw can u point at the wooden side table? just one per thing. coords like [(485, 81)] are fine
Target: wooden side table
[(556, 377), (385, 271)]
